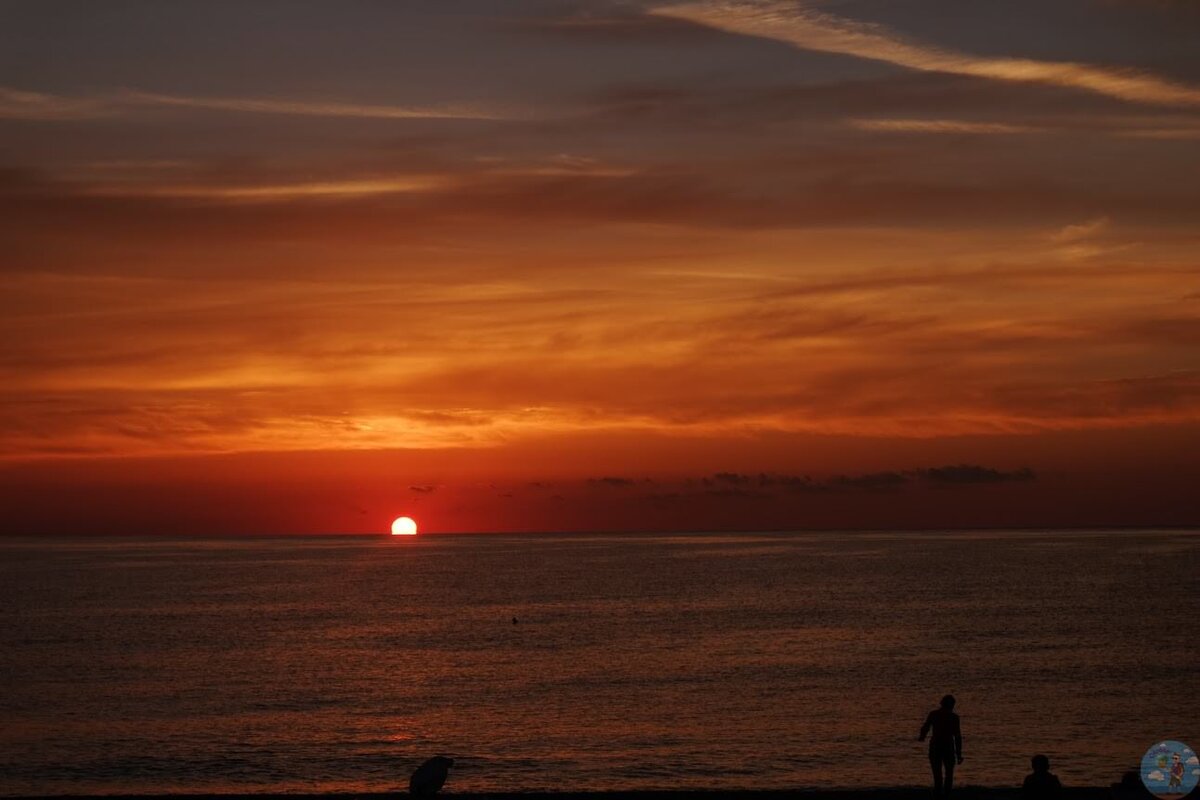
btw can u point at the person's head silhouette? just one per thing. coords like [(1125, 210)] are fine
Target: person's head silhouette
[(948, 702), (1040, 763)]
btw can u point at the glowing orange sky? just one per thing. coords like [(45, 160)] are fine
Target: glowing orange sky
[(712, 264)]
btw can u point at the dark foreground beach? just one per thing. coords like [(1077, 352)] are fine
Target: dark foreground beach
[(899, 793)]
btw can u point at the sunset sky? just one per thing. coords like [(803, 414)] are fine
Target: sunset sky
[(291, 266)]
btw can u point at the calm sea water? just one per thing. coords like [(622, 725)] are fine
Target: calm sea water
[(718, 661)]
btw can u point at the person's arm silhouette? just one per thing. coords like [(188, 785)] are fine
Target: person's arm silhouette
[(925, 728), (957, 739)]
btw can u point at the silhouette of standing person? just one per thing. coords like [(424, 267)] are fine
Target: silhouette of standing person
[(945, 745)]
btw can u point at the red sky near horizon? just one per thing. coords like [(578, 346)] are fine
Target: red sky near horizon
[(306, 266)]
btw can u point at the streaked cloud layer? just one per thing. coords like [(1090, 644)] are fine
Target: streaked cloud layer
[(657, 244)]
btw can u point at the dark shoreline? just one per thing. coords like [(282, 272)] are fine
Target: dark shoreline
[(896, 793)]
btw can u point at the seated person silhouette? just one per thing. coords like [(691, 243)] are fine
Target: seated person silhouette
[(945, 745), (1130, 787), (1041, 784)]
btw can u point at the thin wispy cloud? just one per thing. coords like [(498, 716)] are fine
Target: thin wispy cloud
[(804, 28), (306, 108), (940, 126), (1080, 231), (1087, 240), (1183, 134), (21, 104), (284, 191)]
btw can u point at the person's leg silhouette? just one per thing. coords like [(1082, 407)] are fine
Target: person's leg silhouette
[(941, 762)]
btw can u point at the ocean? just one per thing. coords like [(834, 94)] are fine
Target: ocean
[(589, 662)]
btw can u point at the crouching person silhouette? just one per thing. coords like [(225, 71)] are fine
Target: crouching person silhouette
[(430, 777)]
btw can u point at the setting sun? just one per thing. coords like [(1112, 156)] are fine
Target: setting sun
[(404, 526)]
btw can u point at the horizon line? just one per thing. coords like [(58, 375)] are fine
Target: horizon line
[(1079, 529)]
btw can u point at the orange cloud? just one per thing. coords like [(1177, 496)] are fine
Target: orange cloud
[(940, 126), (245, 365), (285, 191)]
